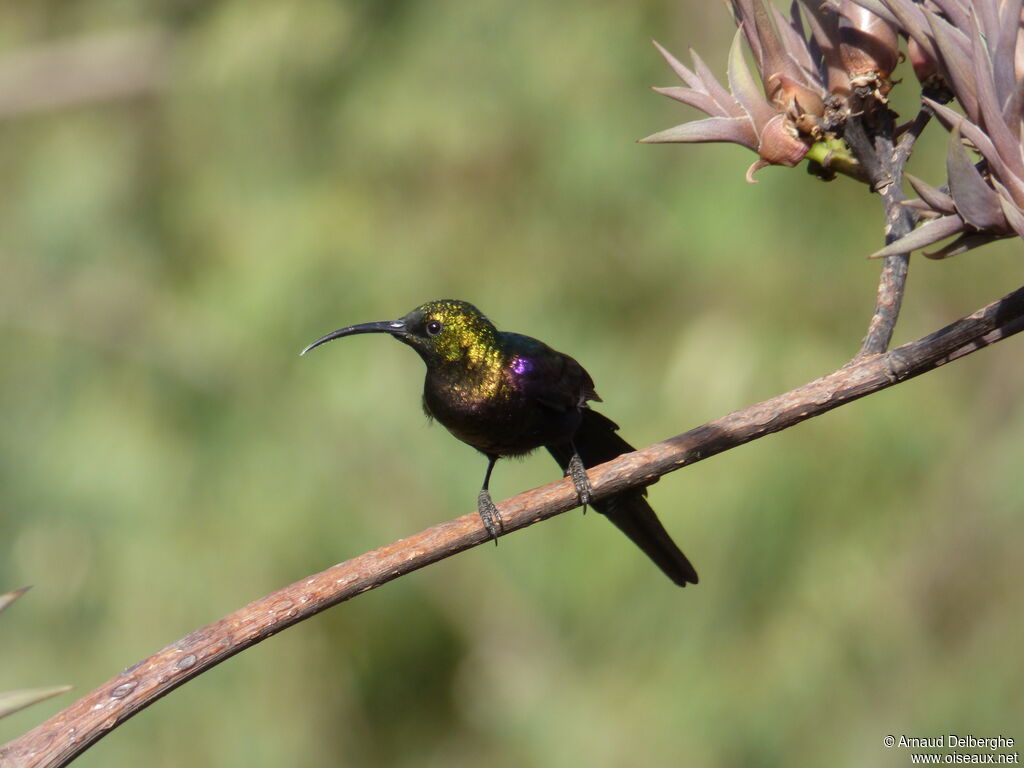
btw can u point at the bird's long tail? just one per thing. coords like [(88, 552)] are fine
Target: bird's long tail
[(597, 441)]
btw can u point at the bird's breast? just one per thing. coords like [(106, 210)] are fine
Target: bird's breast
[(469, 402), (492, 413)]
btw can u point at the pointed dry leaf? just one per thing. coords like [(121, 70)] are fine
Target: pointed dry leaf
[(962, 244), (794, 42), (921, 208), (1014, 216), (955, 54), (989, 107), (975, 200), (1013, 109), (745, 89), (926, 234), (681, 70), (955, 12), (794, 18), (7, 598), (988, 18), (775, 60), (743, 14), (1005, 42), (1012, 211), (731, 129), (972, 133), (936, 199), (824, 25), (693, 98), (715, 89), (12, 701)]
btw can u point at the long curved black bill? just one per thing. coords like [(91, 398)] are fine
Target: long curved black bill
[(393, 327)]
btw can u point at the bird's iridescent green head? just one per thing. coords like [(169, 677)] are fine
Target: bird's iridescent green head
[(449, 331), (444, 331)]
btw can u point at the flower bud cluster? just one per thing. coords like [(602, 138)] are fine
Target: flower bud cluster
[(828, 59), (805, 77)]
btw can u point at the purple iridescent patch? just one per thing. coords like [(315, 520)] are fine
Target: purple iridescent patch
[(521, 365)]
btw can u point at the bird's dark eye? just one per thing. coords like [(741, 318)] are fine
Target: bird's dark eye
[(433, 328)]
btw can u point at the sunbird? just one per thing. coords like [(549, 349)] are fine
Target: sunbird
[(506, 394)]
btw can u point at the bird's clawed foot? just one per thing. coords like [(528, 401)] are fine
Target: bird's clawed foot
[(489, 515), (578, 473)]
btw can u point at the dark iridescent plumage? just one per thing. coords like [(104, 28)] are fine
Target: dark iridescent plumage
[(506, 394)]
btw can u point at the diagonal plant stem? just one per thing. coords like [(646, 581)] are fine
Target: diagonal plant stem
[(870, 135), (67, 734), (913, 132)]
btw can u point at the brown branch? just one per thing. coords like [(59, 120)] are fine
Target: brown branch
[(67, 734), (870, 135)]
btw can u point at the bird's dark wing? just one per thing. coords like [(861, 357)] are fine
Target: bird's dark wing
[(552, 378)]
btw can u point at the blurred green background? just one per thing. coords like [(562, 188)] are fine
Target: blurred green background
[(279, 169)]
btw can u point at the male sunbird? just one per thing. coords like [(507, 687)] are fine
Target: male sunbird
[(505, 395)]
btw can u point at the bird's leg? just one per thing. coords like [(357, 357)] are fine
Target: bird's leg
[(578, 473), (489, 514)]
